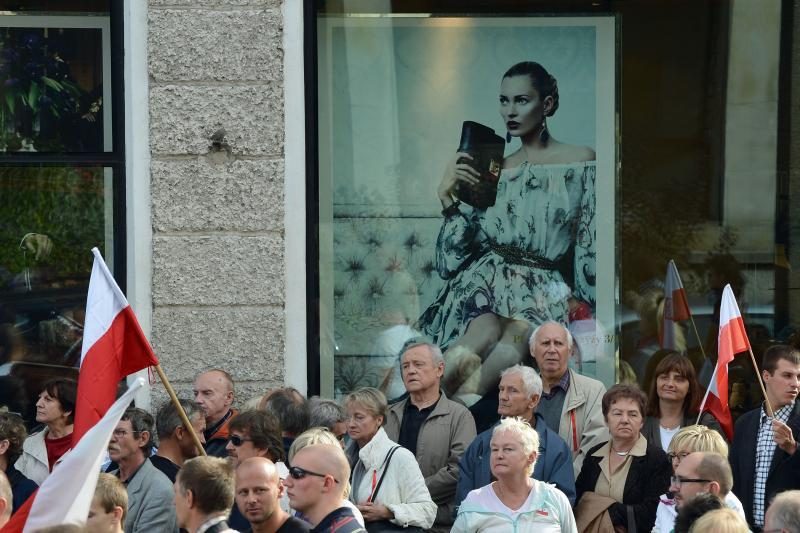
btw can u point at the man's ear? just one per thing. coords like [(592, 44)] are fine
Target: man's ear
[(189, 498), (714, 488), (4, 445), (117, 510), (144, 437), (180, 431), (3, 506)]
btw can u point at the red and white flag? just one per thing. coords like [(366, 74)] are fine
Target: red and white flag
[(114, 346), (66, 494), (732, 340), (676, 307)]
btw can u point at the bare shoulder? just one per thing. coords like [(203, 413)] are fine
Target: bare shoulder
[(575, 154), (515, 159)]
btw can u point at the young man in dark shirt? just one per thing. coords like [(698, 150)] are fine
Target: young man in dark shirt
[(316, 484), (258, 496)]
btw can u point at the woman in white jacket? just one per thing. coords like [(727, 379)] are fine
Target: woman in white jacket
[(386, 480), (515, 502)]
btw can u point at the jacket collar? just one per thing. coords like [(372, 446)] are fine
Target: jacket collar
[(576, 394), (441, 408), (373, 452)]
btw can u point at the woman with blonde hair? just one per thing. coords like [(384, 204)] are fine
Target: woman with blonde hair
[(515, 501), (387, 484), (697, 438), (720, 521)]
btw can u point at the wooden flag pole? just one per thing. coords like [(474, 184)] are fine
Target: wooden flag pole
[(770, 412), (699, 340), (185, 419)]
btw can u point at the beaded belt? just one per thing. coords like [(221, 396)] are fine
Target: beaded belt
[(515, 256)]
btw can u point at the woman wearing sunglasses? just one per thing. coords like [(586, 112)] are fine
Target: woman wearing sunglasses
[(387, 485), (689, 440)]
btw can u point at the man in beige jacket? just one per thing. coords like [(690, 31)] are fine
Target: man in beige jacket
[(571, 404), (436, 430)]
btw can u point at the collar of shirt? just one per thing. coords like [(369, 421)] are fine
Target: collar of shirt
[(209, 432), (563, 384), (429, 409), (126, 481), (211, 522), (781, 414)]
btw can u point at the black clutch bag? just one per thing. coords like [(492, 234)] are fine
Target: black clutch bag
[(486, 149)]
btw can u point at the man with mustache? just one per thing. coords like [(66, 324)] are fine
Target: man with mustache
[(764, 456)]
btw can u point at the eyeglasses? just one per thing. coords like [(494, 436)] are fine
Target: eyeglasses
[(237, 441), (677, 481), (679, 456), (299, 473)]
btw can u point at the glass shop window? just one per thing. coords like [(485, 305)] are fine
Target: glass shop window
[(61, 182)]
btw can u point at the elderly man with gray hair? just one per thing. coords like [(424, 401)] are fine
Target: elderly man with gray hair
[(783, 515), (519, 393), (432, 427), (571, 404)]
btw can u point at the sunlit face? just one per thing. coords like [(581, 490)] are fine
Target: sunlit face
[(100, 521), (182, 508), (684, 491), (49, 411), (306, 492), (672, 386), (521, 107), (212, 392), (551, 351), (624, 419), (361, 424), (419, 371), (513, 400), (245, 449), (508, 456), (258, 491), (125, 444), (783, 384)]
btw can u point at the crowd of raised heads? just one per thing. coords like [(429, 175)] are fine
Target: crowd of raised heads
[(562, 454)]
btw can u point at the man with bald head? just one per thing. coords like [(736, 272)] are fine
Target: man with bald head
[(316, 485), (258, 495), (702, 472), (213, 392), (571, 404)]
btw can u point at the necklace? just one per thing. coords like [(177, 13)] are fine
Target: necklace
[(621, 454)]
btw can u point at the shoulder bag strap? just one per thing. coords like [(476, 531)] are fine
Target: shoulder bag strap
[(384, 468)]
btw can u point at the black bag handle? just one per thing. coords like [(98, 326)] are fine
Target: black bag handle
[(384, 467)]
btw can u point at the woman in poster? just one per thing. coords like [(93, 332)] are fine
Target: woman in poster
[(512, 266)]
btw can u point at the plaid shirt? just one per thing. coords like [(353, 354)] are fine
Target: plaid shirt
[(563, 384), (765, 450)]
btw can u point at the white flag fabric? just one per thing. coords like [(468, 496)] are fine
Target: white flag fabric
[(66, 495)]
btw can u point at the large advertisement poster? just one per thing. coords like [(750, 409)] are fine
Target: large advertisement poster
[(413, 244)]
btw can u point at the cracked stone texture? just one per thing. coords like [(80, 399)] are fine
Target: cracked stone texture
[(246, 341), (194, 44), (244, 195), (183, 118), (217, 270)]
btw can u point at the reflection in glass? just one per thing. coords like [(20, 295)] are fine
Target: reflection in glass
[(51, 89), (52, 217)]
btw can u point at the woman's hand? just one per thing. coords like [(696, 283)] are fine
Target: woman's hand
[(454, 174), (373, 512)]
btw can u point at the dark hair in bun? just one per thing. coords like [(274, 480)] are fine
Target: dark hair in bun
[(545, 84)]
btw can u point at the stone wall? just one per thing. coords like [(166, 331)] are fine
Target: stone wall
[(217, 180)]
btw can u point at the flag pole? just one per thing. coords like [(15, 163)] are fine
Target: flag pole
[(705, 398), (770, 412), (185, 419), (699, 340)]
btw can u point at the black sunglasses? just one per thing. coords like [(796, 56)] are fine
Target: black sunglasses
[(299, 473), (237, 441)]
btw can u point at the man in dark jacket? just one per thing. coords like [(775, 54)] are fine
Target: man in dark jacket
[(764, 456), (520, 390)]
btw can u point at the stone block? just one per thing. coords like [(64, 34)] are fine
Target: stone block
[(247, 342), (198, 195), (215, 3), (184, 118), (218, 270), (195, 44)]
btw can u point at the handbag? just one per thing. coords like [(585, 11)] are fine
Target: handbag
[(387, 526)]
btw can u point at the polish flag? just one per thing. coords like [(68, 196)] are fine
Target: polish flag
[(66, 494), (114, 346), (676, 306), (732, 340)]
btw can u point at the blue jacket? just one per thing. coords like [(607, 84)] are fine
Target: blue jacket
[(554, 464)]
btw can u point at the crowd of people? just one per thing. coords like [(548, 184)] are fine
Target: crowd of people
[(564, 455)]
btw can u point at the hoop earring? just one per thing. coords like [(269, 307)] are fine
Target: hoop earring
[(544, 134), (508, 137)]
